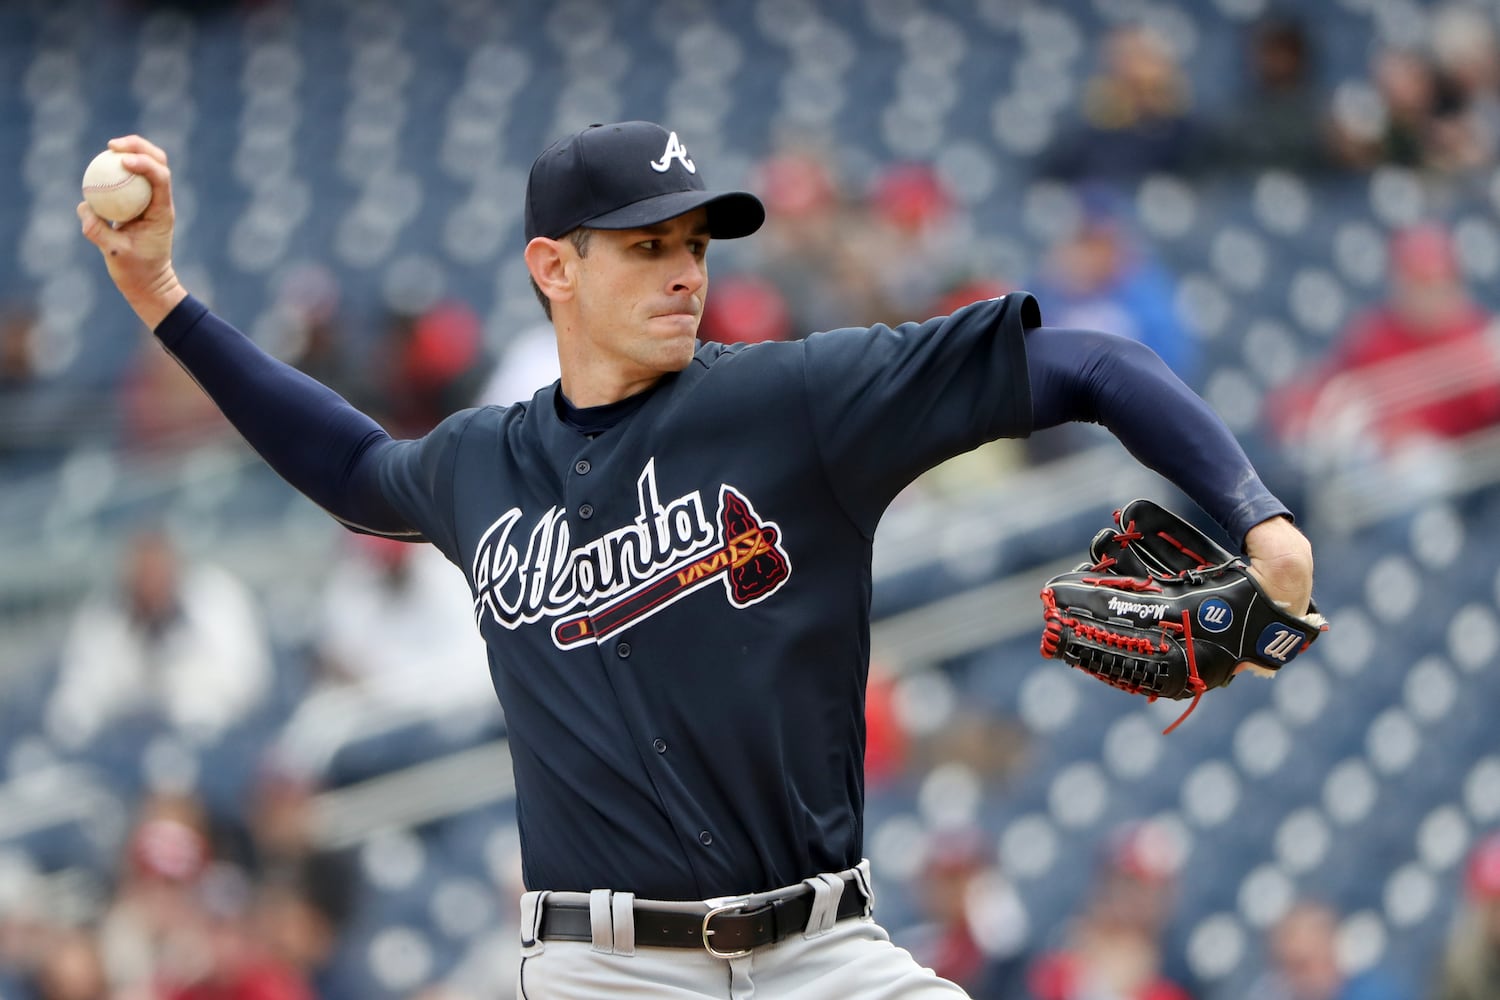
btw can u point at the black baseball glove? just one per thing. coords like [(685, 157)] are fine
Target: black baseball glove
[(1164, 611)]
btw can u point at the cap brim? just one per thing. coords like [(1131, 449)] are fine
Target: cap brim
[(731, 214)]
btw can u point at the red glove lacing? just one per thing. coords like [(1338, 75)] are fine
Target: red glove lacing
[(1056, 621)]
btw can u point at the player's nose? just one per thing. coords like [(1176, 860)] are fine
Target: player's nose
[(690, 273)]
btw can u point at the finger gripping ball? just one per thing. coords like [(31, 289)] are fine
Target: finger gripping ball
[(113, 192)]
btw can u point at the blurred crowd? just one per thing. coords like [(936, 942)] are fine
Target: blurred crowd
[(243, 900), (197, 911), (859, 244)]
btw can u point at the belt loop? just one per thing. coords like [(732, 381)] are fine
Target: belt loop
[(866, 883), (827, 889), (531, 916), (623, 905), (601, 922)]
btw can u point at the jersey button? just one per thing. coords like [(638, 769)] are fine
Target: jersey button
[(582, 467), (659, 745), (705, 838), (623, 649), (586, 511)]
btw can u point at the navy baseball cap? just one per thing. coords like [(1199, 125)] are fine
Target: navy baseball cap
[(623, 176)]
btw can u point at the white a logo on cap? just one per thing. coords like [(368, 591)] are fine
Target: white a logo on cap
[(674, 151)]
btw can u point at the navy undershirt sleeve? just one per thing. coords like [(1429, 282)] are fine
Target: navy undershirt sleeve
[(314, 440), (1080, 375)]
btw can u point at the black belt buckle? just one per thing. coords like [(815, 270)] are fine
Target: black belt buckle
[(726, 904)]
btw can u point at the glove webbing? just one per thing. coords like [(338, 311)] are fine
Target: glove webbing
[(1200, 560), (1120, 538), (1130, 533), (1125, 673)]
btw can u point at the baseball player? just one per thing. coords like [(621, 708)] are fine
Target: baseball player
[(669, 555)]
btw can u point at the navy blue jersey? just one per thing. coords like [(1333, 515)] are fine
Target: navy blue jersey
[(677, 605), (677, 609)]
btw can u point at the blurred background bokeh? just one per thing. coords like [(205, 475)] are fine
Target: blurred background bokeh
[(246, 755)]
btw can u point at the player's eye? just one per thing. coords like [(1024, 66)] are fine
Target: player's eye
[(649, 245), (698, 247)]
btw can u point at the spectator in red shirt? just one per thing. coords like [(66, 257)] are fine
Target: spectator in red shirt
[(238, 965), (974, 932), (1422, 367), (1118, 948), (1470, 966)]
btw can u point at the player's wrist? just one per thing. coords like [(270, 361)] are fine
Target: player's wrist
[(1278, 539), (157, 298)]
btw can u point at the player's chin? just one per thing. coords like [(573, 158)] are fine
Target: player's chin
[(1246, 667), (676, 338)]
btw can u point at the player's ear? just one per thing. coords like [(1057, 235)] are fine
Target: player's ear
[(548, 261)]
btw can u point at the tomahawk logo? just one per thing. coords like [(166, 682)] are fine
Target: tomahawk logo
[(674, 151), (1140, 609), (606, 585)]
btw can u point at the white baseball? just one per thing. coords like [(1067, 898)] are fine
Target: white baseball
[(113, 192)]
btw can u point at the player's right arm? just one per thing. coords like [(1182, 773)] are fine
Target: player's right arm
[(313, 438)]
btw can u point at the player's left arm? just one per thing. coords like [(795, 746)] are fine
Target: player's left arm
[(1079, 375)]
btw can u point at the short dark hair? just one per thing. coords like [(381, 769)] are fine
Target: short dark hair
[(580, 239)]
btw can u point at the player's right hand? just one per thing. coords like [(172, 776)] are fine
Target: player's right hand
[(1281, 561), (138, 253)]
